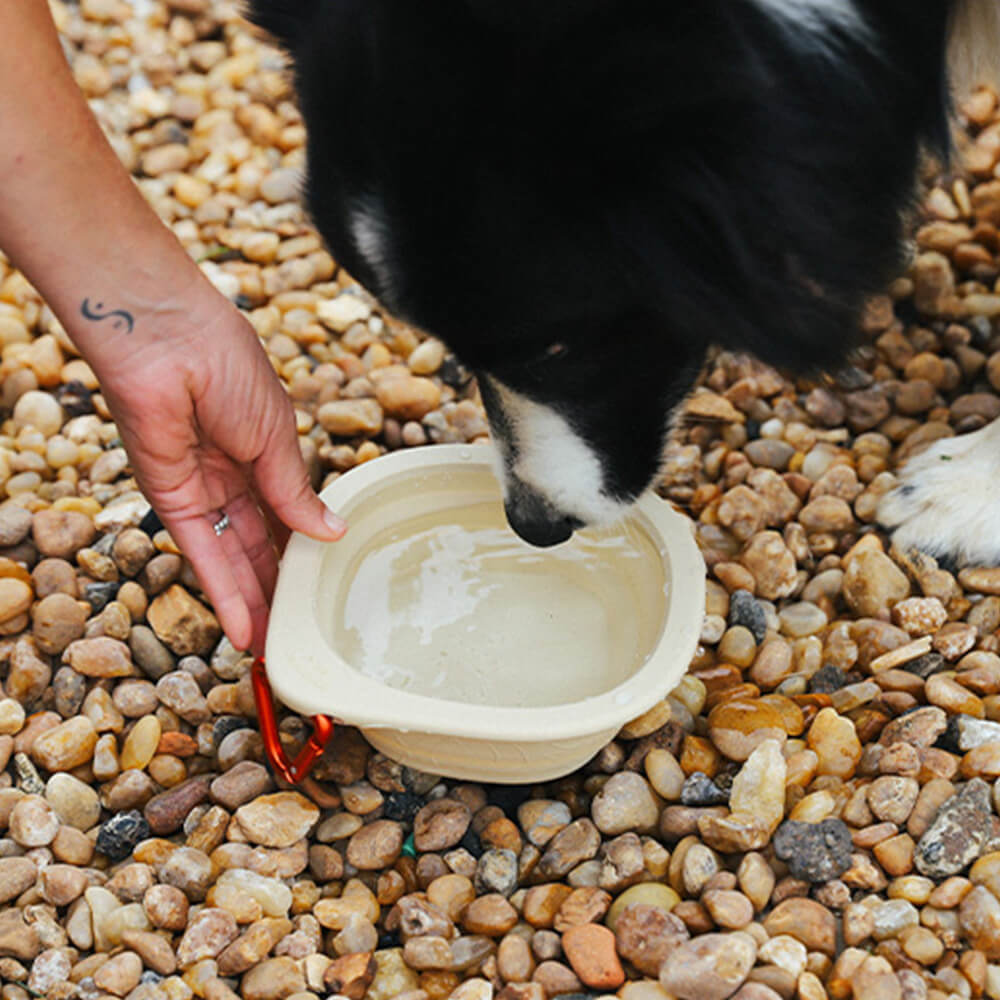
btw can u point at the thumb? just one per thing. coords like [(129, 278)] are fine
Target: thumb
[(283, 483)]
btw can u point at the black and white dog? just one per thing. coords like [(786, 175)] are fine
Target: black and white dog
[(580, 196)]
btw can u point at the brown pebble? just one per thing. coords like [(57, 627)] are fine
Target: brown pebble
[(590, 950), (376, 845), (440, 824)]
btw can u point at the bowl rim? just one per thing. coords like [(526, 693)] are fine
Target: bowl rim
[(368, 703)]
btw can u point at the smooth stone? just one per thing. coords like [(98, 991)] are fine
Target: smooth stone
[(738, 727), (590, 951), (759, 786), (709, 967), (625, 803), (75, 803)]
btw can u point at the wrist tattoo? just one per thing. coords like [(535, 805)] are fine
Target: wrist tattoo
[(120, 318)]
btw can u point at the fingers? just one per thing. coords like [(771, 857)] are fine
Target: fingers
[(251, 529), (281, 479), (227, 573)]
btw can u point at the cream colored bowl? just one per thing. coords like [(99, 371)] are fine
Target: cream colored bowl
[(461, 650)]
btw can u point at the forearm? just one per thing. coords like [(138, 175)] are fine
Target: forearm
[(70, 216)]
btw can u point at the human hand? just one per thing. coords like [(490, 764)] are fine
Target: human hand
[(210, 430), (206, 422)]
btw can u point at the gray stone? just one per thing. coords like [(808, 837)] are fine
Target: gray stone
[(957, 833)]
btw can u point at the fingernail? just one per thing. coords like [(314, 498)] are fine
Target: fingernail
[(336, 524)]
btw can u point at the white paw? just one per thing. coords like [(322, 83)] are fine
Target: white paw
[(947, 503)]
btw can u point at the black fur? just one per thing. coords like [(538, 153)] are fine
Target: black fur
[(633, 179)]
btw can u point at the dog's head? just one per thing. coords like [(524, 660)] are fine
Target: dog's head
[(580, 196)]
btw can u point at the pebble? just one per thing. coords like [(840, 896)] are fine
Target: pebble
[(590, 951), (664, 773), (375, 846), (15, 521), (120, 974), (57, 620), (141, 742), (61, 884), (709, 967), (182, 623), (646, 934), (835, 741), (426, 358), (746, 611), (17, 938), (497, 872), (785, 952), (921, 728), (814, 852), (120, 834), (407, 397), (66, 746), (61, 533), (772, 565), (920, 615), (875, 979), (348, 418), (759, 786), (179, 691), (354, 975), (891, 798), (153, 949), (805, 920), (577, 843), (984, 579), (253, 945), (167, 811), (11, 716), (954, 639), (440, 824), (730, 910), (873, 583), (49, 970), (957, 833), (208, 932), (971, 732), (699, 790), (626, 802), (542, 819), (979, 918), (489, 914), (277, 820), (101, 656), (16, 875), (801, 619), (15, 598), (244, 781), (737, 727), (166, 907)]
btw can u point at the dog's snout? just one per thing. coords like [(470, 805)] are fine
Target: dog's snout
[(537, 521)]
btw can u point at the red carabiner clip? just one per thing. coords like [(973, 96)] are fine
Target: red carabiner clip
[(293, 771)]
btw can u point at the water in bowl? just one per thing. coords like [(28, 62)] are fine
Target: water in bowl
[(452, 604)]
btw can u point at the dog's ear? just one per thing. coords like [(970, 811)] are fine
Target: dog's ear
[(285, 19)]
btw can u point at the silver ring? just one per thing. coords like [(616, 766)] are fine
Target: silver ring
[(220, 526)]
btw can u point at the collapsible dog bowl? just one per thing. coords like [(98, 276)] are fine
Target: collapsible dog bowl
[(460, 650)]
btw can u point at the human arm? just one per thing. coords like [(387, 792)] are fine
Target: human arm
[(202, 414)]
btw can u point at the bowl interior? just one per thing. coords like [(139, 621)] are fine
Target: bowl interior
[(431, 593)]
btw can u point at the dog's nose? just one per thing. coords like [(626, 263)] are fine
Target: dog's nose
[(537, 522)]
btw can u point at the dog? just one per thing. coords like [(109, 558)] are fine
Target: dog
[(580, 196)]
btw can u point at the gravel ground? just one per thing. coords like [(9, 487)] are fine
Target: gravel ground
[(812, 813)]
